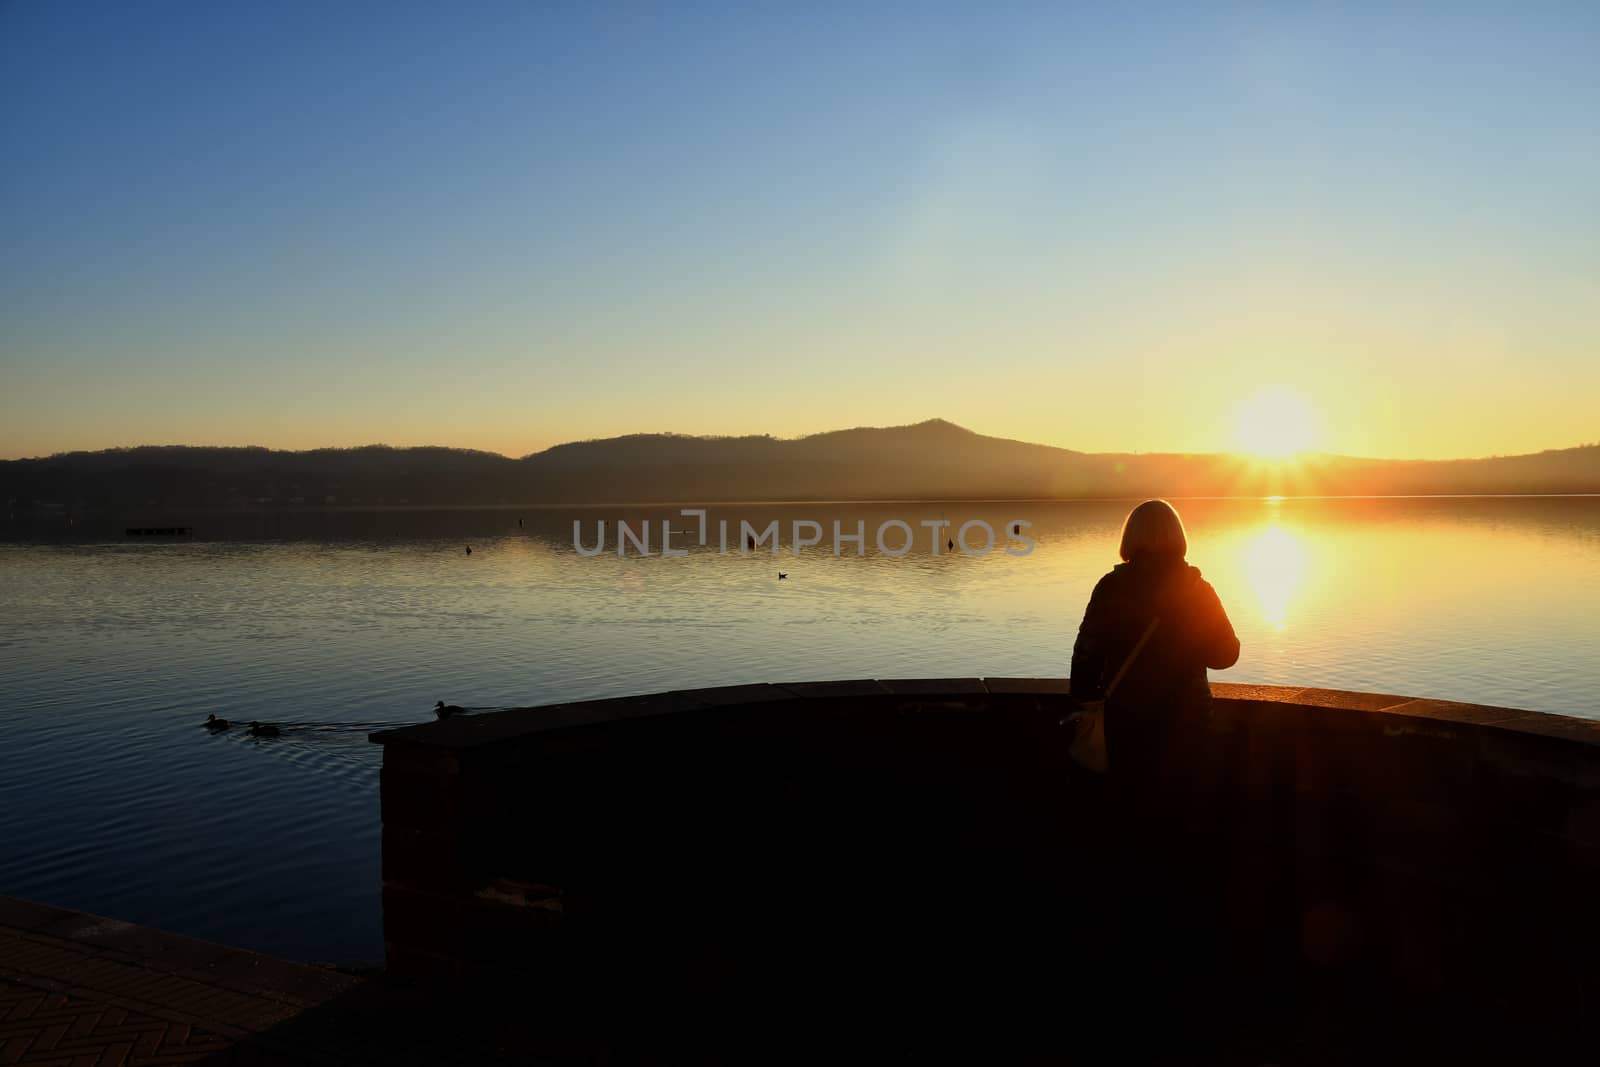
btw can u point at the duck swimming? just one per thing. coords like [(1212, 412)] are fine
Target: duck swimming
[(444, 711), (258, 729), (215, 724)]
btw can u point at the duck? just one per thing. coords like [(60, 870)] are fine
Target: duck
[(215, 724), (264, 729), (444, 711)]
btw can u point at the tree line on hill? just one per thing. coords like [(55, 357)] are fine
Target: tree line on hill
[(930, 460)]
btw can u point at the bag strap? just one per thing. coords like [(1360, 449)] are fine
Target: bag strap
[(1149, 631)]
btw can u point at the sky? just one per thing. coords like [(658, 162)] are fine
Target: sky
[(504, 226)]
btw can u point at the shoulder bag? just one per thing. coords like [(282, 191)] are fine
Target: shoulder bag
[(1088, 748)]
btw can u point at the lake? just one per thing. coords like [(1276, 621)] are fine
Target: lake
[(113, 650)]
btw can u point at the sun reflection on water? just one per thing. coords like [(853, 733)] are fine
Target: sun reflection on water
[(1274, 561)]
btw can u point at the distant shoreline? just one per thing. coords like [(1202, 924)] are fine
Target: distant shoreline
[(927, 462), (358, 509)]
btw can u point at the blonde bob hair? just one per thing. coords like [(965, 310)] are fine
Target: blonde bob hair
[(1153, 529)]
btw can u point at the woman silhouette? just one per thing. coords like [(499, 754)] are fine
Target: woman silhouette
[(1158, 625), (1153, 597), (1156, 615)]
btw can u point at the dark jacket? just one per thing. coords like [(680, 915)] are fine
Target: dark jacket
[(1168, 679)]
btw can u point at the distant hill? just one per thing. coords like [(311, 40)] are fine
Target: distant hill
[(930, 460)]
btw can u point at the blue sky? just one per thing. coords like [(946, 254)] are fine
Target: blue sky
[(504, 226)]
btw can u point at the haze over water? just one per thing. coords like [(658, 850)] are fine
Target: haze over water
[(112, 654)]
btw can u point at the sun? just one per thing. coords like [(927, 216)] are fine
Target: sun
[(1276, 423)]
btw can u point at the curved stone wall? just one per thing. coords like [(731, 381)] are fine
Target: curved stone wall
[(1410, 854)]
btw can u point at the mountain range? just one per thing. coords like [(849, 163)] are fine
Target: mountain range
[(929, 460)]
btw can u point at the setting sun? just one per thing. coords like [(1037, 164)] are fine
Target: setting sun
[(1275, 423)]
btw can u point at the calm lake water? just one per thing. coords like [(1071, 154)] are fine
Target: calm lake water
[(113, 798)]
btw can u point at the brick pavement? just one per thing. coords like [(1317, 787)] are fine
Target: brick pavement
[(48, 1029), (80, 990)]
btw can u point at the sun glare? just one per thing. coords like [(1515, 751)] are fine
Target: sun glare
[(1275, 423), (1275, 563)]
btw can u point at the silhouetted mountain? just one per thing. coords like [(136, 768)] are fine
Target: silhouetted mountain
[(930, 460)]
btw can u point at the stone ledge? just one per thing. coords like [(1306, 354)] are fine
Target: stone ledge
[(1029, 686), (935, 686), (695, 831), (468, 732)]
